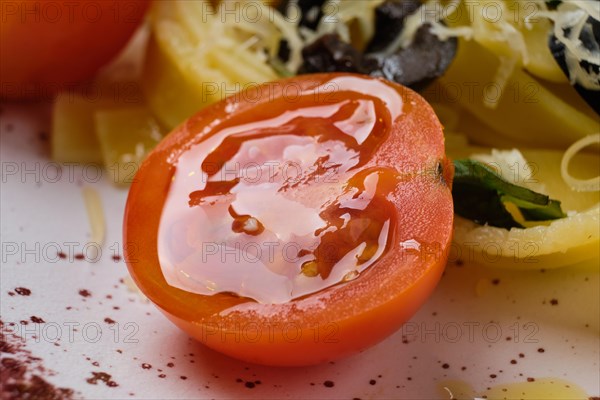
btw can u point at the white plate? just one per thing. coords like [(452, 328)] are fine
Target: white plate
[(470, 331)]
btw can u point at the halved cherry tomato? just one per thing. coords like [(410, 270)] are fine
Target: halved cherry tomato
[(49, 45), (296, 222)]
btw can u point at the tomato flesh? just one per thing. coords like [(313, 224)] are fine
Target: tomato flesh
[(292, 229)]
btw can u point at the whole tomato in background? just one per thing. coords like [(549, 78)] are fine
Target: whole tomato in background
[(46, 45)]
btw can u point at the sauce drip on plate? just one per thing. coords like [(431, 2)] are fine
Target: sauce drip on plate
[(276, 207)]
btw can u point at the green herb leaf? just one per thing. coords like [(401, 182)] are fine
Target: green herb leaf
[(481, 195)]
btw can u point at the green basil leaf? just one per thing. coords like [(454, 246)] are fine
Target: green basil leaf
[(481, 195)]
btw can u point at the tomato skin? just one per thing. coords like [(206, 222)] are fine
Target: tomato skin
[(49, 45), (340, 320), (283, 342)]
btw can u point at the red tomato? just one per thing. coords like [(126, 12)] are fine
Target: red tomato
[(296, 222), (47, 45)]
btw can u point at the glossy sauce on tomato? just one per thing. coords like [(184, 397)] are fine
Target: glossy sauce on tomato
[(277, 206)]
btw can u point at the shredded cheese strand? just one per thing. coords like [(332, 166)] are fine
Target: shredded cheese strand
[(580, 185), (289, 30), (591, 7), (339, 14)]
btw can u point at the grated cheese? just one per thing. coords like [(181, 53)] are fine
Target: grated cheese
[(289, 31), (213, 36), (93, 206), (430, 12), (572, 16)]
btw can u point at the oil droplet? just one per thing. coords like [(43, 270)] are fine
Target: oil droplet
[(310, 269), (545, 388), (367, 254), (350, 276)]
